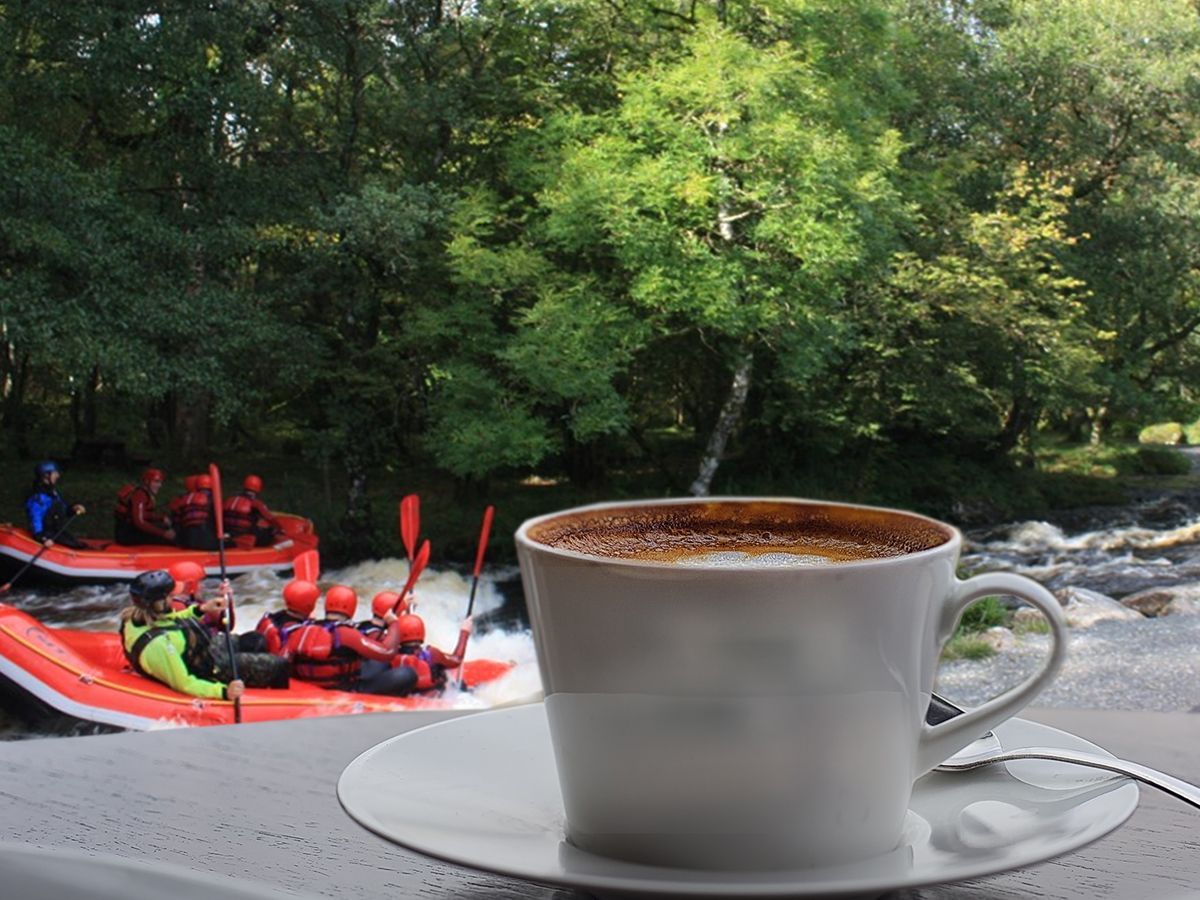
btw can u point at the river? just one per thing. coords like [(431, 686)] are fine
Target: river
[(1151, 663)]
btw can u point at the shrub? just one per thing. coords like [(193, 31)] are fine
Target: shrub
[(1160, 461), (1161, 433)]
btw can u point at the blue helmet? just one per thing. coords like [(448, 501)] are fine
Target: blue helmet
[(42, 469)]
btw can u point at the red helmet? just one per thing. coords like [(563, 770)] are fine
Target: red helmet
[(253, 483), (341, 599), (300, 597), (189, 483), (187, 575), (412, 629), (153, 475), (384, 602), (203, 482)]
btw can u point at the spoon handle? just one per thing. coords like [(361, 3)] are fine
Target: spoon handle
[(1176, 787)]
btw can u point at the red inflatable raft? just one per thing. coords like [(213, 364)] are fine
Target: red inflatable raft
[(104, 561), (84, 675)]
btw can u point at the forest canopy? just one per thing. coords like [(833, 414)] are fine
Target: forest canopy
[(501, 236)]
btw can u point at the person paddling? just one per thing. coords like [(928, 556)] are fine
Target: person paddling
[(46, 512), (333, 652), (247, 515), (280, 630), (381, 604), (137, 521), (428, 663), (169, 646), (189, 590), (175, 507), (176, 648), (197, 521)]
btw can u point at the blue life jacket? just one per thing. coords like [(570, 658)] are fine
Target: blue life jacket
[(40, 505)]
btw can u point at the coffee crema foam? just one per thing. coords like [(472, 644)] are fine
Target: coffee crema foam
[(741, 534), (771, 559)]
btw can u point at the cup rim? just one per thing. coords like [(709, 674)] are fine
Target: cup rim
[(952, 545)]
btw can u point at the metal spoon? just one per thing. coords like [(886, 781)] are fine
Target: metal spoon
[(984, 752)]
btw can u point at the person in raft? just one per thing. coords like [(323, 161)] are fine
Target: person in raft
[(280, 631), (189, 591), (246, 514), (46, 512), (381, 604), (189, 588), (332, 652), (175, 647), (175, 507), (376, 628), (427, 663), (137, 521), (197, 519)]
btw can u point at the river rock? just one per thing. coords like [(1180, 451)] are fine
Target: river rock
[(1150, 602), (1084, 608), (1182, 606), (999, 638), (1178, 599)]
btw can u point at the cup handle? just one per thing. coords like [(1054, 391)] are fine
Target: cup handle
[(939, 742)]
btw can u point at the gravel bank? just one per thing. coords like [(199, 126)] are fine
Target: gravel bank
[(1151, 664)]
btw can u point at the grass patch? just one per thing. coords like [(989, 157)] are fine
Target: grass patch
[(967, 646), (982, 615), (1031, 626)]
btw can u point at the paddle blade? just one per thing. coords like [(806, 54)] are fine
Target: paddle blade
[(218, 508), (307, 565), (414, 571), (484, 533), (410, 523)]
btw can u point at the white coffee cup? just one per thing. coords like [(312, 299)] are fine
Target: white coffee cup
[(717, 701)]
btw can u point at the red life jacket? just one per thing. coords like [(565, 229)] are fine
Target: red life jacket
[(196, 509), (124, 507), (372, 629), (429, 677), (240, 515), (318, 656), (277, 629)]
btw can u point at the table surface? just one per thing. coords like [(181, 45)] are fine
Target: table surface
[(258, 803)]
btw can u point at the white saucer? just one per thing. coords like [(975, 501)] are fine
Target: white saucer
[(482, 791)]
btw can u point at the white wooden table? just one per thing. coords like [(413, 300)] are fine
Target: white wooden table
[(257, 803)]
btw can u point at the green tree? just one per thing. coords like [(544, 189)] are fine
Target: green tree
[(726, 198)]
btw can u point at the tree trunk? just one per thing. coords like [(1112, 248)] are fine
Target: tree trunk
[(1100, 424), (15, 418), (83, 407), (727, 423), (189, 425), (357, 518)]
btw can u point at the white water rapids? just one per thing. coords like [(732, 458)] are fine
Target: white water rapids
[(1152, 663)]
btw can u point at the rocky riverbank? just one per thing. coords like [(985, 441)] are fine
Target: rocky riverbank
[(1139, 652)]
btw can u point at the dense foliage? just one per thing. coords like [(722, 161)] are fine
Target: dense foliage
[(574, 236)]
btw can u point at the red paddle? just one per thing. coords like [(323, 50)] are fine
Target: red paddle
[(410, 523), (484, 533), (226, 621), (7, 586), (414, 572), (307, 565)]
